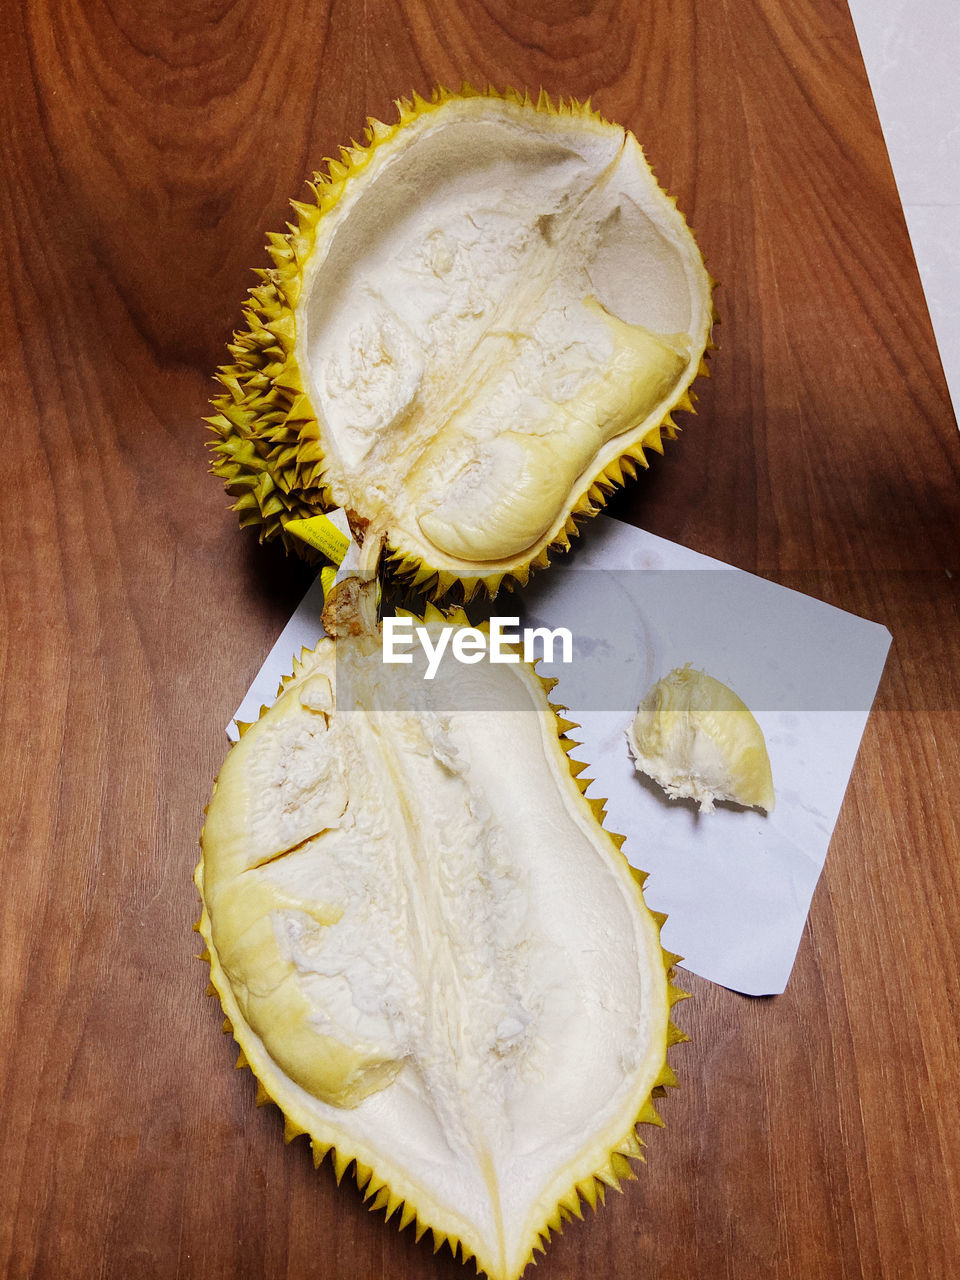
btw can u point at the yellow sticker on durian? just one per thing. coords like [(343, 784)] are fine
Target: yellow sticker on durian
[(322, 534)]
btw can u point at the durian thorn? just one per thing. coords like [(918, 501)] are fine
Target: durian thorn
[(650, 1115), (392, 1203), (340, 1164), (666, 1078), (631, 1146), (599, 808), (588, 1190), (291, 1129), (380, 1200), (571, 1203)]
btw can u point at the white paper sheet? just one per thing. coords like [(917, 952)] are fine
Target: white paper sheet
[(735, 883)]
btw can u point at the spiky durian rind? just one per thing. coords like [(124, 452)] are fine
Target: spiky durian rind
[(614, 1169), (268, 448)]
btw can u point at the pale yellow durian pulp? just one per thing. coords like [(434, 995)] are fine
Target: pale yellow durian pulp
[(699, 740)]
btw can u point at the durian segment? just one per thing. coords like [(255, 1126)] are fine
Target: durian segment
[(504, 494), (699, 740), (480, 326), (460, 938)]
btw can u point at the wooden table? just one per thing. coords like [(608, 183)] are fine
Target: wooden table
[(146, 150)]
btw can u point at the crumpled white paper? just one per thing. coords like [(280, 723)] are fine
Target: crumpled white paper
[(735, 884)]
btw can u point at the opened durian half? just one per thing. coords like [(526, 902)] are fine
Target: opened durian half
[(434, 959), (475, 329)]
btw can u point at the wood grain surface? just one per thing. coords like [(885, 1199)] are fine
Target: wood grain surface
[(146, 149)]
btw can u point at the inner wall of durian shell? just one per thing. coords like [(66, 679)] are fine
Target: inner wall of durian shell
[(463, 372), (463, 918)]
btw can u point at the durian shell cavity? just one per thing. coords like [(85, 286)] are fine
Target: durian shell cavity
[(433, 957), (482, 322)]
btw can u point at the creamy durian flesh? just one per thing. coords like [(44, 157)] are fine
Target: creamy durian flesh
[(487, 317), (433, 957), (700, 741)]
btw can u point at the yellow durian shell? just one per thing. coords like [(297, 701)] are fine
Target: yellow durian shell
[(616, 1165), (268, 447)]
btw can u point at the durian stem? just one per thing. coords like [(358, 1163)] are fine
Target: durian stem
[(351, 608)]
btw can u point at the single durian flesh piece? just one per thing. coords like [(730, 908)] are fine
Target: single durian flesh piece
[(433, 957), (478, 325), (699, 740)]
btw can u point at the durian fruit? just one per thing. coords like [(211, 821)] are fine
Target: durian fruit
[(435, 960), (478, 324), (699, 740)]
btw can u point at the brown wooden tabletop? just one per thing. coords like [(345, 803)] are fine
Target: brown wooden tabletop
[(146, 150)]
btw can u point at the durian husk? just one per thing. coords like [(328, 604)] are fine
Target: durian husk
[(616, 1165), (268, 448)]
